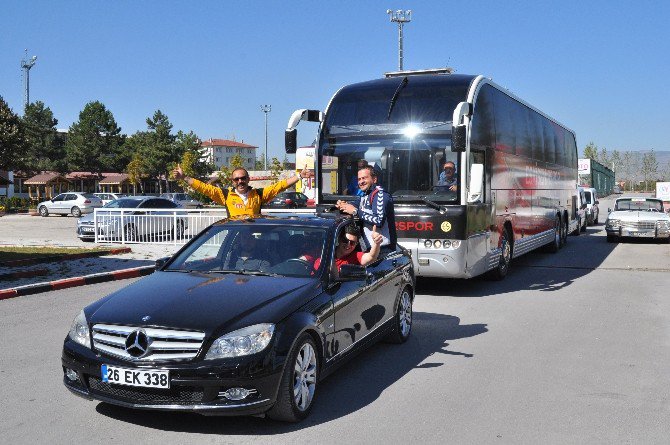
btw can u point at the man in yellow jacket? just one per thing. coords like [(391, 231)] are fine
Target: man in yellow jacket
[(241, 199)]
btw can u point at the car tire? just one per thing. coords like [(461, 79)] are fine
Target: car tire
[(44, 211), (301, 370), (582, 228), (564, 232), (402, 320), (76, 211), (579, 228), (502, 269)]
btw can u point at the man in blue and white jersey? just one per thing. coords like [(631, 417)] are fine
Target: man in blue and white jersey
[(374, 209)]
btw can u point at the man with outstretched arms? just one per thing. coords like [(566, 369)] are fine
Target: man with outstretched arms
[(241, 199), (375, 209)]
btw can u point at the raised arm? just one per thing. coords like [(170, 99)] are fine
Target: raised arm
[(369, 257)]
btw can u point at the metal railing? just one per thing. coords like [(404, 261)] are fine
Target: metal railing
[(161, 226)]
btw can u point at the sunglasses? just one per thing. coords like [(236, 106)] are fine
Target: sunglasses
[(241, 178), (350, 242)]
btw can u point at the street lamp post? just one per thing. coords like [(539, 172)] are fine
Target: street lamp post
[(266, 109), (400, 17), (26, 64)]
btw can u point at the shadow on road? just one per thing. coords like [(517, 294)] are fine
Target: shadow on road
[(352, 387)]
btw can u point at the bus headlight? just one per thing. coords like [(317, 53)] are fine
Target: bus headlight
[(437, 244), (428, 244)]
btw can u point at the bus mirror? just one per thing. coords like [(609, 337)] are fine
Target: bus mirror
[(291, 140), (458, 138), (476, 182)]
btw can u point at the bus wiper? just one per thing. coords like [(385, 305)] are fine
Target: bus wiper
[(395, 96), (433, 204), (345, 127)]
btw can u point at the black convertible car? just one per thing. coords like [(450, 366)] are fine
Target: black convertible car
[(239, 321)]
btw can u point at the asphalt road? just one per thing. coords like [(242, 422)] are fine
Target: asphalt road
[(572, 347)]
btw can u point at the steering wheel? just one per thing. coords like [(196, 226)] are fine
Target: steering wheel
[(306, 264)]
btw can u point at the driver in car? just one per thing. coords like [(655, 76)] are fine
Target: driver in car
[(246, 256), (346, 253)]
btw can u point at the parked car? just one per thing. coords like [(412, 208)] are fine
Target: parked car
[(183, 200), (582, 216), (638, 218), (139, 221), (592, 210), (290, 200), (617, 190), (107, 197), (212, 333), (70, 203)]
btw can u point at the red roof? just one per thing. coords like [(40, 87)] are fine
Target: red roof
[(225, 143)]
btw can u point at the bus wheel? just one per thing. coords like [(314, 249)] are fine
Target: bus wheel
[(555, 245), (564, 232), (502, 269)]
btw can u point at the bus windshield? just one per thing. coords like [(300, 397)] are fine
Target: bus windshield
[(410, 168)]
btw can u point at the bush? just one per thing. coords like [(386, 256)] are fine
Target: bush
[(14, 204)]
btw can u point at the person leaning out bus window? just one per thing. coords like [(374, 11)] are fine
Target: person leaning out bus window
[(241, 199)]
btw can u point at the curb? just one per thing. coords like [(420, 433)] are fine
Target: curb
[(77, 256), (77, 281)]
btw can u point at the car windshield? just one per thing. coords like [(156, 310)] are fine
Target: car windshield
[(122, 204), (276, 250), (639, 204), (589, 197), (90, 195)]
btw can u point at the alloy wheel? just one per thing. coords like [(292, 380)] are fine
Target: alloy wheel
[(304, 377)]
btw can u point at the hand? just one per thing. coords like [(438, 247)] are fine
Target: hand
[(377, 238), (178, 173), (306, 173), (345, 207), (453, 188)]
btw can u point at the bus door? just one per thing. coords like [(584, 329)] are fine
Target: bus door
[(480, 213)]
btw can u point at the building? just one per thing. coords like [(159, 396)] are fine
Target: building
[(220, 152)]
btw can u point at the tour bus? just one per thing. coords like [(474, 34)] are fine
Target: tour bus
[(516, 167)]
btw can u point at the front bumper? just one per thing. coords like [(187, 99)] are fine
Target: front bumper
[(638, 233), (194, 386)]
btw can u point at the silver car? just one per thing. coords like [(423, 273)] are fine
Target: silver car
[(73, 203), (143, 217), (638, 218), (183, 200), (108, 197)]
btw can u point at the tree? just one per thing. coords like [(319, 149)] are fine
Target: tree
[(136, 172), (189, 144), (159, 152), (591, 151), (225, 171), (12, 141), (44, 149), (615, 162), (649, 168), (603, 158), (94, 141), (276, 169), (260, 164)]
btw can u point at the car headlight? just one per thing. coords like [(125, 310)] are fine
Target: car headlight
[(245, 341), (613, 223), (79, 330), (663, 225)]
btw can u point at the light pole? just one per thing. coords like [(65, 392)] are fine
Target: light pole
[(266, 109), (26, 65), (400, 17)]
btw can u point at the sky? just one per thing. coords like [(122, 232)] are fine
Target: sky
[(599, 67)]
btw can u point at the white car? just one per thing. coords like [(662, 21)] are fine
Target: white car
[(73, 203), (108, 197), (582, 216), (592, 211), (638, 218)]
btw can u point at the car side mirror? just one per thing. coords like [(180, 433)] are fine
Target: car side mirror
[(352, 272), (291, 141), (160, 262)]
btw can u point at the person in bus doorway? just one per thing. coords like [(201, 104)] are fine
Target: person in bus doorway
[(447, 179), (240, 199), (352, 187), (375, 209)]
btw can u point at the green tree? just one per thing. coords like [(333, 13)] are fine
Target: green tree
[(94, 141), (591, 151), (44, 149), (160, 150), (260, 162), (276, 169), (12, 141), (189, 144), (136, 172)]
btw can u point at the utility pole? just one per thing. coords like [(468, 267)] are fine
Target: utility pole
[(26, 65), (266, 109), (400, 17)]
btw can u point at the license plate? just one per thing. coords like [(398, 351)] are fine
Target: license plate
[(87, 229), (147, 378)]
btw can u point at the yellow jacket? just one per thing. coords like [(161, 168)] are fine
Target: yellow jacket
[(232, 201)]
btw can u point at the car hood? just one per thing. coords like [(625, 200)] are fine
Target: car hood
[(636, 215), (211, 303)]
